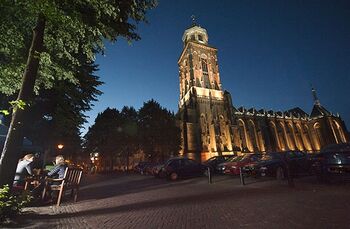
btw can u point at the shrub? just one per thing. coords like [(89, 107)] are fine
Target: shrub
[(11, 204)]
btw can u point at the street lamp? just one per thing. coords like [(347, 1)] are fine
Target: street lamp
[(94, 161), (60, 146)]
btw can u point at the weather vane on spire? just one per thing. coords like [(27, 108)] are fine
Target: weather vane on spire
[(316, 100), (193, 20)]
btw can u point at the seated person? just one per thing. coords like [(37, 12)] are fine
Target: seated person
[(24, 168), (59, 169), (56, 173)]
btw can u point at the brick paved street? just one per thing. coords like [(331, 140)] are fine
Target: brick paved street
[(135, 201)]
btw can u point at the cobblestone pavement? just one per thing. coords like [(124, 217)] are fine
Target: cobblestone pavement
[(135, 201)]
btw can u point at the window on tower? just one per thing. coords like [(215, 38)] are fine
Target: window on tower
[(200, 37), (205, 79), (204, 65)]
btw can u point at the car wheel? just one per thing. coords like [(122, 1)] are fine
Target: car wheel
[(280, 173), (173, 176)]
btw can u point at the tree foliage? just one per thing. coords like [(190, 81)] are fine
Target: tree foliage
[(159, 135), (151, 130), (73, 28), (61, 32)]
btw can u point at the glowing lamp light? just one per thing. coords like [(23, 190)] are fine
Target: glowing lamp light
[(60, 146)]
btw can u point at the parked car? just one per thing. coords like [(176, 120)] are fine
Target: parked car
[(214, 161), (333, 162), (232, 168), (158, 171), (141, 167), (220, 168), (176, 168), (276, 165)]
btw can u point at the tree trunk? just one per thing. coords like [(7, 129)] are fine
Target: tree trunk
[(14, 140)]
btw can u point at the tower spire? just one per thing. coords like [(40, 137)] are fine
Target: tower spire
[(316, 100), (194, 23)]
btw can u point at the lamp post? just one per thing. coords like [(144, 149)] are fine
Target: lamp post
[(94, 161), (60, 146)]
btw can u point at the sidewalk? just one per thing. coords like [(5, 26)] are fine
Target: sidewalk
[(135, 201)]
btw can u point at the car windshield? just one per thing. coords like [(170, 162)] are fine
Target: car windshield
[(335, 155), (246, 157), (268, 157), (234, 159), (211, 159)]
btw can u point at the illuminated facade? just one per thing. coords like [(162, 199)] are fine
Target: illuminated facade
[(212, 126)]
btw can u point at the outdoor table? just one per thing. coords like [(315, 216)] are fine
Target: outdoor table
[(35, 180)]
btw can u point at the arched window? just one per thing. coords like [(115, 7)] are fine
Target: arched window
[(206, 80), (319, 137), (275, 136), (306, 138), (200, 37), (339, 133), (298, 137), (204, 65), (291, 136), (243, 135), (282, 136), (253, 135), (205, 132)]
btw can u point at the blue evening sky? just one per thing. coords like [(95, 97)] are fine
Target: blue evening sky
[(269, 52)]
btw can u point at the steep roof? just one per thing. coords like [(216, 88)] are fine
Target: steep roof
[(298, 112), (318, 110)]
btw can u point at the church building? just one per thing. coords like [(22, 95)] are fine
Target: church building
[(211, 125)]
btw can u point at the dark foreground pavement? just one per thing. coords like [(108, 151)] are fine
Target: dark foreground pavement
[(134, 201)]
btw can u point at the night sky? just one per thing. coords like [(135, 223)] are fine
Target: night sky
[(269, 53)]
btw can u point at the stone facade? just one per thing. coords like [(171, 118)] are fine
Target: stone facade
[(212, 126)]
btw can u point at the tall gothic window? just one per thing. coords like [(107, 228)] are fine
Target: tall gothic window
[(206, 81), (204, 65)]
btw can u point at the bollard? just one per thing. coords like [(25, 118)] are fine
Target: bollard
[(209, 175), (241, 176), (290, 178)]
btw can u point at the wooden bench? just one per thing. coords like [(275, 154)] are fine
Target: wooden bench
[(70, 181)]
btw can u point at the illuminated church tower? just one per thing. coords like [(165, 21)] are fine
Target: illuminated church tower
[(211, 125), (203, 106)]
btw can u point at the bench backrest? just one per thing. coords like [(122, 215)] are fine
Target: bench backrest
[(72, 176)]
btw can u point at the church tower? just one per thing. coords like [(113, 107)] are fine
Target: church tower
[(203, 106)]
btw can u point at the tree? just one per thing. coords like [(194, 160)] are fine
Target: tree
[(64, 28), (57, 114), (159, 135), (117, 134), (129, 133), (103, 136)]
